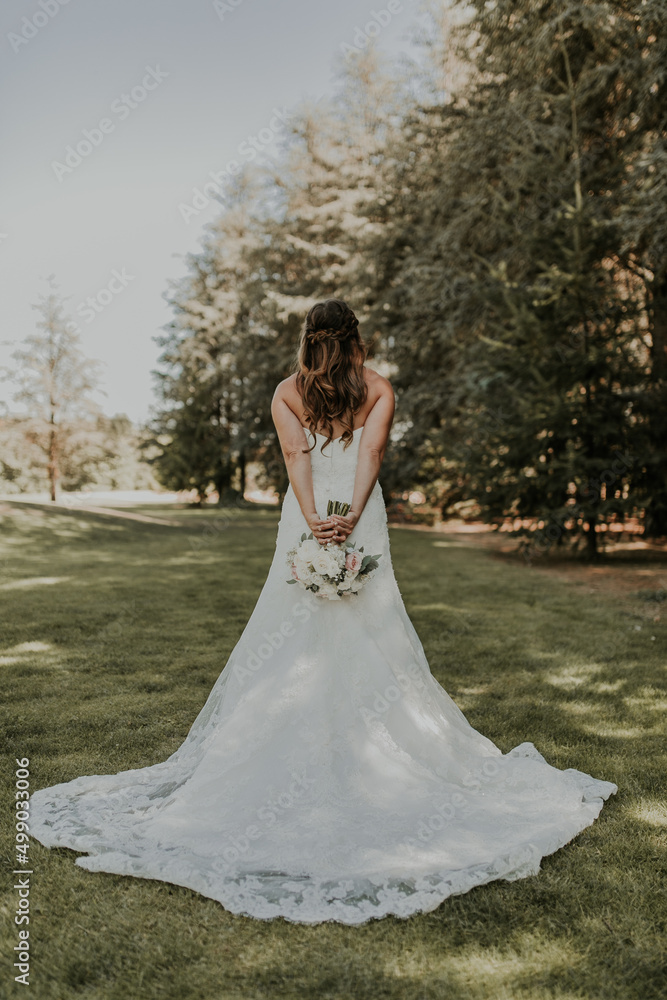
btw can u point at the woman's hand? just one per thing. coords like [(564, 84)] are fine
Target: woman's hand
[(323, 531), (344, 526)]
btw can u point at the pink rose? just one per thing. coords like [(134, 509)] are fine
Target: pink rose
[(294, 572), (353, 561)]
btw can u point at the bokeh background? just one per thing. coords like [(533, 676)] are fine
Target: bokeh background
[(484, 182)]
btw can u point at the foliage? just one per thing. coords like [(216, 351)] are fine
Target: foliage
[(292, 235), (101, 453), (64, 438), (515, 306), (498, 222), (55, 382)]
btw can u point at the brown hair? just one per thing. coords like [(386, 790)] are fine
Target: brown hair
[(330, 379)]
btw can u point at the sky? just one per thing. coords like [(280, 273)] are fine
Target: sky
[(113, 113)]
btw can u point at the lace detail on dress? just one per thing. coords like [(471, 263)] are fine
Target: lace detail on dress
[(328, 776)]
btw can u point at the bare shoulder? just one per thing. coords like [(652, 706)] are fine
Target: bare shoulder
[(287, 387), (380, 413), (286, 391), (378, 385)]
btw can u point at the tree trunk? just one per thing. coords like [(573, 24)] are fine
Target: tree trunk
[(242, 473), (222, 479), (591, 538), (658, 327), (656, 475), (53, 457)]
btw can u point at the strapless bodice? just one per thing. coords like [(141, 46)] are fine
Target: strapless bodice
[(334, 465), (334, 468)]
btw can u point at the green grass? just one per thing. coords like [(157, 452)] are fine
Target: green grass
[(113, 633)]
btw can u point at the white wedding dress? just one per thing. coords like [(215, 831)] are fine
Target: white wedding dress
[(328, 776)]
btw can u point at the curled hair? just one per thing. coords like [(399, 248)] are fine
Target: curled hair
[(330, 377)]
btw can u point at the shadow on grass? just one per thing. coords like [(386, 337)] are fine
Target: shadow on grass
[(106, 669)]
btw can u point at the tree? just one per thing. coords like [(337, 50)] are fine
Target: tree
[(204, 425), (290, 234), (54, 382), (21, 460), (641, 113), (516, 322)]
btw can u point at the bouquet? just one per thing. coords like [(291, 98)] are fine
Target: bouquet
[(334, 570)]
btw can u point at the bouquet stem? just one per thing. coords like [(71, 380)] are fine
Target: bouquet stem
[(337, 507)]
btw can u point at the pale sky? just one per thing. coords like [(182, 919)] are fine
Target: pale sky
[(178, 88)]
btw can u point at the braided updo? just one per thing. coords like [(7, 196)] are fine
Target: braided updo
[(330, 377), (330, 320)]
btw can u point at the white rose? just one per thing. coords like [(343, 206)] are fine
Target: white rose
[(322, 563), (309, 549), (334, 566)]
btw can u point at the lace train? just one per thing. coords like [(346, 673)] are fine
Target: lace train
[(328, 776)]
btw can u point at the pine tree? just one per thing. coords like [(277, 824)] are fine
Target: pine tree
[(516, 323), (290, 235), (204, 427), (640, 111)]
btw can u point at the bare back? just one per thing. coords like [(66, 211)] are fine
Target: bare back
[(376, 383)]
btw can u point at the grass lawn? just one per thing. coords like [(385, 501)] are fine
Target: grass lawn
[(113, 633)]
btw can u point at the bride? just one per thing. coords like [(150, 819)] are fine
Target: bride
[(328, 775)]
